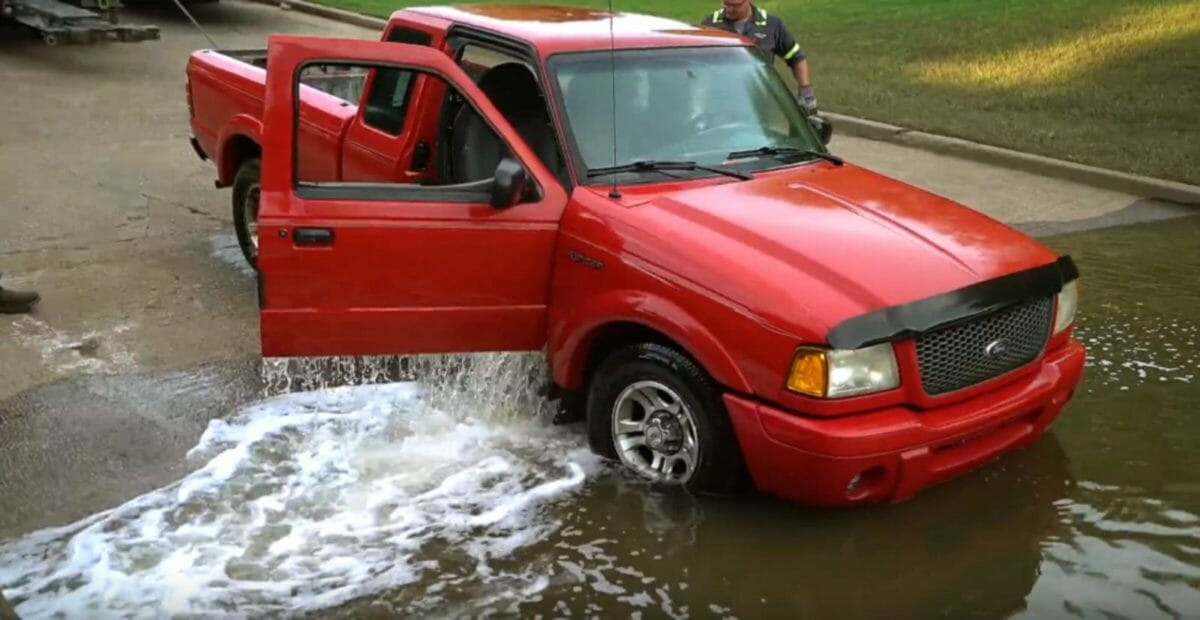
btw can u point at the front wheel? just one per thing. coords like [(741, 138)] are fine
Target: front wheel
[(245, 197), (658, 413)]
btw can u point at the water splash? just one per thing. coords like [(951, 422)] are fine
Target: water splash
[(310, 499), (500, 386)]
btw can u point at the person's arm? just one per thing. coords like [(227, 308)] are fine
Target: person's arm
[(789, 50), (801, 71)]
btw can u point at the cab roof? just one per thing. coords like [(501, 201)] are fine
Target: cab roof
[(554, 28)]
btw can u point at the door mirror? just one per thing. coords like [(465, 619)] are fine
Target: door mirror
[(823, 128), (509, 183)]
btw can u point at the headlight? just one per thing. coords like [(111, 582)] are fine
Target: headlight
[(1068, 299), (836, 373)]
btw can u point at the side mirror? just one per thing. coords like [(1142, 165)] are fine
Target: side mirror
[(823, 127), (508, 184)]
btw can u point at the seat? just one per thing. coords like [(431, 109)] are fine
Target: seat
[(476, 149)]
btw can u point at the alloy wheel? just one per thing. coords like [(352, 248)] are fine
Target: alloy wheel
[(654, 432)]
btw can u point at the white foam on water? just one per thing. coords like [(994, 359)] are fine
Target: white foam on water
[(1133, 352), (306, 501)]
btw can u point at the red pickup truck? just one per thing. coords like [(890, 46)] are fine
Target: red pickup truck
[(721, 298)]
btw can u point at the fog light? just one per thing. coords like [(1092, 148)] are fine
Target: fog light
[(853, 486), (866, 482)]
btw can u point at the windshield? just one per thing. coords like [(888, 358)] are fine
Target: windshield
[(694, 104)]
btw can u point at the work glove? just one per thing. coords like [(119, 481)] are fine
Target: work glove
[(808, 100)]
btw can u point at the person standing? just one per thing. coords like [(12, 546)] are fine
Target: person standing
[(771, 36), (17, 302)]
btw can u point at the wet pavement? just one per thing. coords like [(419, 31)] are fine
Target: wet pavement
[(137, 418), (147, 422), (395, 500)]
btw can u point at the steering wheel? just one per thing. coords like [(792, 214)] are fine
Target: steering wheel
[(709, 122), (703, 137)]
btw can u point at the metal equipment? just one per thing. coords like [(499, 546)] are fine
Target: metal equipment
[(88, 21)]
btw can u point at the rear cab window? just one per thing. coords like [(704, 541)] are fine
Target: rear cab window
[(386, 104)]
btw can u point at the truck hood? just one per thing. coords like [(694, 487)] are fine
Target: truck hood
[(807, 248)]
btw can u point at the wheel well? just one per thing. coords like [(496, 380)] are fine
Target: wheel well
[(238, 149), (613, 336)]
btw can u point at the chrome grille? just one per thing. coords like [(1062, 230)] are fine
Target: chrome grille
[(962, 355)]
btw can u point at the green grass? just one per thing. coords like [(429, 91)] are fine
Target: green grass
[(1111, 83)]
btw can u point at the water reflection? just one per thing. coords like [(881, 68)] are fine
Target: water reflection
[(1120, 553), (970, 548)]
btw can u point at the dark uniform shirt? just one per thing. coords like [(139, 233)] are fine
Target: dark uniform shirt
[(767, 31)]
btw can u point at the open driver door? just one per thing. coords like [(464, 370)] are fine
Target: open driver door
[(369, 268)]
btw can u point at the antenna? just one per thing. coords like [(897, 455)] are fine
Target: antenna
[(612, 56), (197, 25)]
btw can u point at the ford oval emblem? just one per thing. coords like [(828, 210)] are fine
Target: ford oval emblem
[(996, 348)]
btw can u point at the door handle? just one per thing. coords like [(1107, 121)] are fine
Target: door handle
[(313, 236)]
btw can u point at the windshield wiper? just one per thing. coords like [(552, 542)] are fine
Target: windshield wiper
[(655, 165), (785, 150)]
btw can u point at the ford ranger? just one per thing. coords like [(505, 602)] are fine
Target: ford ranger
[(722, 299)]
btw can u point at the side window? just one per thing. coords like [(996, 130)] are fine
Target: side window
[(475, 60), (472, 148), (345, 83), (386, 104), (400, 34)]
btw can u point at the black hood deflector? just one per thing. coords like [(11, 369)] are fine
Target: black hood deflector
[(939, 311)]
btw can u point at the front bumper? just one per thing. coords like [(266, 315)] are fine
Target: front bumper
[(891, 454)]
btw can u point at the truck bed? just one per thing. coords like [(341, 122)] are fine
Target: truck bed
[(227, 89), (342, 82)]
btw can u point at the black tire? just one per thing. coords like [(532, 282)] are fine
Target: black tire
[(719, 468), (248, 177)]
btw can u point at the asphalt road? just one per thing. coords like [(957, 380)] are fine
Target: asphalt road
[(148, 325)]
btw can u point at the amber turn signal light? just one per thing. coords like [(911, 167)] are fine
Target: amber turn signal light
[(808, 373)]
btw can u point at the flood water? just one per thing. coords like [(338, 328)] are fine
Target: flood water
[(456, 497)]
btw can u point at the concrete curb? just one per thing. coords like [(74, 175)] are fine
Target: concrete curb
[(1141, 186), (349, 17)]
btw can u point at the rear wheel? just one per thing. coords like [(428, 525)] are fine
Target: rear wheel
[(658, 413), (245, 197)]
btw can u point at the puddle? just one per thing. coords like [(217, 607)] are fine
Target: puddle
[(225, 249), (436, 487), (94, 351)]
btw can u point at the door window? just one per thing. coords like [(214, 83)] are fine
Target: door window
[(512, 85), (471, 146)]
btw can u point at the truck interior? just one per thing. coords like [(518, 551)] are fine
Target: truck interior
[(466, 150), (471, 150)]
